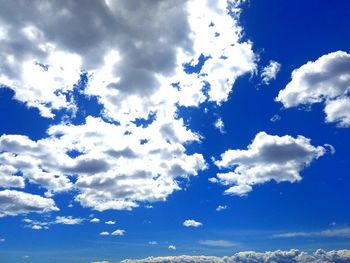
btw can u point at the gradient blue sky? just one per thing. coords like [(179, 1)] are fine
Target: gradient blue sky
[(289, 32)]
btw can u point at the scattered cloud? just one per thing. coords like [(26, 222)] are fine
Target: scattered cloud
[(221, 207), (118, 232), (291, 256), (219, 124), (326, 81), (171, 247), (275, 118), (333, 232), (95, 220), (153, 243), (105, 233), (68, 220), (270, 72), (191, 223), (16, 203), (217, 243), (110, 222), (267, 158)]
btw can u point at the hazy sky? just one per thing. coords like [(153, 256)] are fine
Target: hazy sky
[(139, 128)]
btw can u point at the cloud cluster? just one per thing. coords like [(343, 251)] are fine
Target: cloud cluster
[(191, 223), (267, 158), (141, 61), (270, 72), (291, 256), (325, 80), (16, 203)]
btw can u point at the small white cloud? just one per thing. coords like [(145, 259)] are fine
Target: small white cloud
[(103, 261), (110, 222), (267, 158), (171, 247), (191, 223), (270, 72), (275, 118), (105, 233), (2, 239), (153, 243), (216, 243), (219, 124), (118, 232), (68, 220), (221, 207), (95, 220)]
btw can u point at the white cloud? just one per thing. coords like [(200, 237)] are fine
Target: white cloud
[(291, 256), (191, 223), (216, 243), (333, 232), (221, 207), (270, 72), (171, 247), (110, 222), (118, 232), (2, 239), (267, 158), (95, 220), (105, 233), (153, 243), (275, 118), (219, 124), (15, 203), (325, 80), (68, 220), (103, 261)]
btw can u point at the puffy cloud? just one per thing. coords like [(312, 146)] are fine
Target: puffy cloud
[(113, 169), (216, 243), (219, 124), (104, 233), (171, 247), (191, 223), (15, 203), (291, 256), (333, 232), (68, 220), (9, 179), (270, 72), (110, 222), (95, 220), (118, 232), (221, 207), (325, 80), (267, 158)]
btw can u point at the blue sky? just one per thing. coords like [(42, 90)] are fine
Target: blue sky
[(196, 127)]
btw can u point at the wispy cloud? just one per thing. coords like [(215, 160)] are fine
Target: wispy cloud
[(336, 232), (216, 243)]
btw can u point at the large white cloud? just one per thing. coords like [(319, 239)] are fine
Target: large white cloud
[(291, 256), (113, 169), (14, 203), (131, 50), (134, 55), (325, 80), (267, 158)]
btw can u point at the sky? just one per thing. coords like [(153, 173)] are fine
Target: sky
[(143, 131)]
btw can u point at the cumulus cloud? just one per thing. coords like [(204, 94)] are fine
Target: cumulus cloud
[(95, 220), (291, 256), (221, 207), (171, 247), (191, 223), (104, 233), (110, 222), (270, 72), (16, 203), (326, 81), (118, 232), (333, 232), (267, 158), (219, 124), (68, 220)]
